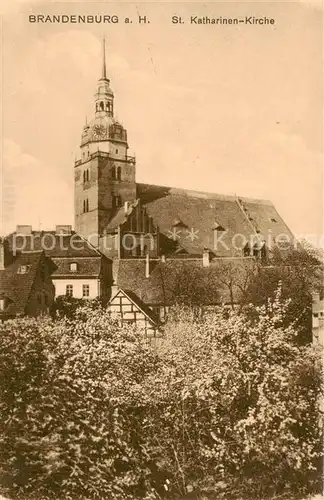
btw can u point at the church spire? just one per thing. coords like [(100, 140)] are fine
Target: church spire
[(104, 72)]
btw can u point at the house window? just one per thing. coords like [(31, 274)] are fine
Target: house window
[(73, 266), (69, 290), (85, 290), (23, 269)]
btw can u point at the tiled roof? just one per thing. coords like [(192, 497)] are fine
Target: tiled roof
[(86, 266), (202, 213), (141, 305), (53, 244), (185, 277), (17, 287)]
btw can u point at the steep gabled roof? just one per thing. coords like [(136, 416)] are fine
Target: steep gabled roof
[(152, 317), (210, 220), (16, 286)]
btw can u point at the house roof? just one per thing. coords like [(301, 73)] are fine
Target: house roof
[(16, 286), (63, 249), (139, 304), (224, 281), (86, 267), (53, 244), (204, 215)]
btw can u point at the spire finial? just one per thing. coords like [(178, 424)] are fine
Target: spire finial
[(104, 74)]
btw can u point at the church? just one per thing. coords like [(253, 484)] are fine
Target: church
[(156, 235), (143, 247)]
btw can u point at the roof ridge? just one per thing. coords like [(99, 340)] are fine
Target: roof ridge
[(206, 194)]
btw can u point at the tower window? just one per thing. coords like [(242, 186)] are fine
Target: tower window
[(102, 106), (85, 176), (118, 173), (69, 290), (116, 151), (86, 205), (116, 201), (113, 173)]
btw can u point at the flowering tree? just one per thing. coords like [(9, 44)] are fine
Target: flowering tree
[(90, 410)]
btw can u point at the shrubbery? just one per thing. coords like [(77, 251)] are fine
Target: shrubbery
[(224, 403)]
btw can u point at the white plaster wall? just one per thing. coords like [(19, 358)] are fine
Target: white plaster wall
[(60, 287)]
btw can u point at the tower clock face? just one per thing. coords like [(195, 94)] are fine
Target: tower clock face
[(99, 131)]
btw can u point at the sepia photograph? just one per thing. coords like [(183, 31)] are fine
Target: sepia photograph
[(161, 250)]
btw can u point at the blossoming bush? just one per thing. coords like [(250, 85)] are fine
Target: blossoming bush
[(226, 403)]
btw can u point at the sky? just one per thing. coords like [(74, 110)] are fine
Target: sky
[(225, 109)]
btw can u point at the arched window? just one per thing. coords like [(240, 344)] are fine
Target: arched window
[(108, 106), (87, 176), (118, 173), (84, 177), (113, 173), (87, 205), (102, 106), (84, 206)]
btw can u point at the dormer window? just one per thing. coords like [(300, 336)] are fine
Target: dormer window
[(23, 269), (272, 219), (218, 226), (179, 224), (73, 266)]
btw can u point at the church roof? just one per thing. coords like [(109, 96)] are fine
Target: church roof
[(186, 278), (207, 218)]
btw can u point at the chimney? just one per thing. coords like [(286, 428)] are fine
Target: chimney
[(4, 249), (147, 265), (24, 229), (206, 258), (126, 206), (63, 229)]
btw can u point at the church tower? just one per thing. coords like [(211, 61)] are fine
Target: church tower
[(104, 174)]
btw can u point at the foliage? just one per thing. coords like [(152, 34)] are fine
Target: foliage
[(66, 306), (90, 410)]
